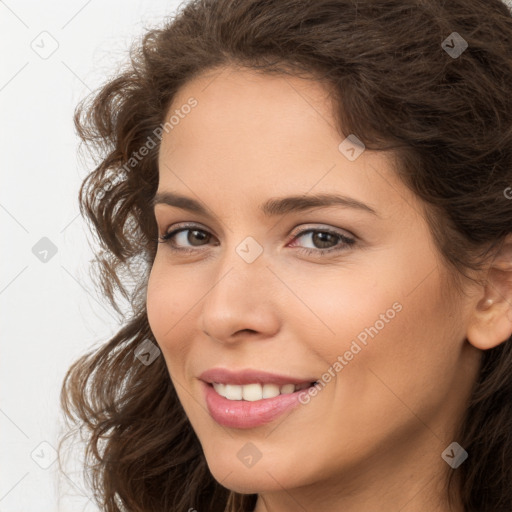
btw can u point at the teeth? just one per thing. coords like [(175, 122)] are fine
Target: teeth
[(232, 392), (253, 392), (270, 390), (287, 389)]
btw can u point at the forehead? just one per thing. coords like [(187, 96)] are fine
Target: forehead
[(238, 103), (273, 133)]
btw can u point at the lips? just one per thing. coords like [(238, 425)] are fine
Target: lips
[(242, 414), (237, 411)]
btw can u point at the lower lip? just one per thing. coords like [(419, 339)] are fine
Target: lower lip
[(246, 414)]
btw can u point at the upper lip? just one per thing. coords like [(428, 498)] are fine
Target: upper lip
[(249, 376)]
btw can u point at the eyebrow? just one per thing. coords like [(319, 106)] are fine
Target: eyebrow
[(272, 207)]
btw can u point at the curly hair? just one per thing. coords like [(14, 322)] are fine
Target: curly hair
[(448, 119)]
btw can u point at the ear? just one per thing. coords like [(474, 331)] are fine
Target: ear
[(490, 323)]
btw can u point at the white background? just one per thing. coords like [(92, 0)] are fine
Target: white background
[(50, 312)]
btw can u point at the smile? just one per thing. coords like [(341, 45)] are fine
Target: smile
[(240, 413)]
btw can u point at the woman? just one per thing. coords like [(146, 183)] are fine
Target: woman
[(314, 202)]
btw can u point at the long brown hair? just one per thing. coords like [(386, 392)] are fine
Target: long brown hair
[(397, 86)]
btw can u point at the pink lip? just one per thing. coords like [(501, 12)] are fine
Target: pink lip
[(245, 414), (249, 376)]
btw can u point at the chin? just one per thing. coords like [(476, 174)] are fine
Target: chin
[(262, 477)]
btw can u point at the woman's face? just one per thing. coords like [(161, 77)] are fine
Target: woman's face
[(373, 319)]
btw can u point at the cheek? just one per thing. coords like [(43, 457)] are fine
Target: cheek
[(377, 324), (336, 306), (167, 303), (157, 302), (407, 362)]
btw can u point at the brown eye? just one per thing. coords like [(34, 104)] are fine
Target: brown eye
[(324, 241), (183, 238)]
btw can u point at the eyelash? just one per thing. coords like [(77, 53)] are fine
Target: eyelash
[(347, 242)]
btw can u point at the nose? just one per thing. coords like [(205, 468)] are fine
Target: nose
[(241, 302)]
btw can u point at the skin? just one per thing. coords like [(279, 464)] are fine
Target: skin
[(372, 438)]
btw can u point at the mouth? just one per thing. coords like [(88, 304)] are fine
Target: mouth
[(251, 405)]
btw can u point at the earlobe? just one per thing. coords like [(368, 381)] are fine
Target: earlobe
[(490, 325), (491, 319)]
